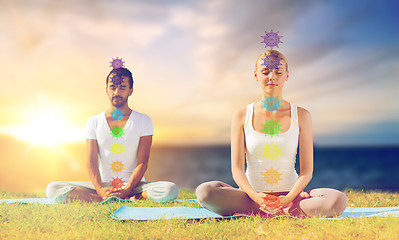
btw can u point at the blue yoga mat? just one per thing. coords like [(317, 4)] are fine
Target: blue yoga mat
[(154, 213), (116, 199), (29, 200), (151, 213), (49, 201)]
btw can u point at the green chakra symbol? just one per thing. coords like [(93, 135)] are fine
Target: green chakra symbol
[(271, 127), (117, 132)]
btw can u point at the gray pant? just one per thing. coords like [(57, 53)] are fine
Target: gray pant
[(158, 191)]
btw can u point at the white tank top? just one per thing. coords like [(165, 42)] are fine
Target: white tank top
[(271, 159)]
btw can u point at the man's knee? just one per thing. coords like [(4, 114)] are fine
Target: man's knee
[(163, 192)]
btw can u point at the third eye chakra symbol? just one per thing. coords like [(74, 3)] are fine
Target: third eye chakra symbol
[(271, 61), (271, 39), (117, 63), (117, 79)]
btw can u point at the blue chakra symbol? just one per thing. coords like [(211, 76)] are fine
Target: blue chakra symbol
[(117, 63), (271, 39), (117, 115), (271, 61), (117, 79), (272, 104)]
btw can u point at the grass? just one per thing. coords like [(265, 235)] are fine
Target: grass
[(91, 221)]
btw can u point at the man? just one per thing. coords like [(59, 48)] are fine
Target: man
[(118, 143)]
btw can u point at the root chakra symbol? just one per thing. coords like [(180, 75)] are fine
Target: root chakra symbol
[(271, 127), (117, 182), (272, 176)]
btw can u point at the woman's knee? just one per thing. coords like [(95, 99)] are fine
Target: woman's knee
[(206, 190)]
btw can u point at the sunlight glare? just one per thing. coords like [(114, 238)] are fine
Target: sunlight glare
[(48, 127)]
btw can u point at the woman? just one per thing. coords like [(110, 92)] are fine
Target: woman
[(267, 133)]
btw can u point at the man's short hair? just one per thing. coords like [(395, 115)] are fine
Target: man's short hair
[(122, 72)]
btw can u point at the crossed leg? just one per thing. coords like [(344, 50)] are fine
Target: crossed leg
[(224, 199)]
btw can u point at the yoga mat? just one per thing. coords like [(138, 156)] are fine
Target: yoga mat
[(151, 213), (369, 212), (154, 213), (116, 199), (29, 200)]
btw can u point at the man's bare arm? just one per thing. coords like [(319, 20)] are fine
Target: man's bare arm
[(143, 155)]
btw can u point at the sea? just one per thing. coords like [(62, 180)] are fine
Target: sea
[(361, 168)]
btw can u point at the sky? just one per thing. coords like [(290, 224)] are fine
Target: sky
[(193, 63)]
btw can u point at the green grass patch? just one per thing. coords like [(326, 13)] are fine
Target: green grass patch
[(81, 220)]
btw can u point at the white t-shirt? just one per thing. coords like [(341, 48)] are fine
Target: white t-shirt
[(118, 150)]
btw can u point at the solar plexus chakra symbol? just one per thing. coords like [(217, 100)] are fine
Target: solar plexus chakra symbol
[(271, 39), (117, 182), (117, 132), (271, 104), (117, 63), (271, 127), (117, 115), (272, 151), (117, 148), (272, 176), (117, 166), (271, 61)]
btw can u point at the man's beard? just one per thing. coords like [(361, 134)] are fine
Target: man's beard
[(120, 103)]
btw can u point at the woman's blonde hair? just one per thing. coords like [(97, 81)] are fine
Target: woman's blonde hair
[(271, 52)]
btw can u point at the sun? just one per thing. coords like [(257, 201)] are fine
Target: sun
[(47, 127)]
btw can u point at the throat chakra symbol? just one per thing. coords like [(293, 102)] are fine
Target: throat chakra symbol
[(271, 61), (272, 176), (271, 39), (117, 182), (117, 115), (271, 127), (117, 132), (271, 104), (117, 166), (272, 151), (117, 148), (117, 63)]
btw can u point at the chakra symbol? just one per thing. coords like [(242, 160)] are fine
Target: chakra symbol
[(271, 39), (272, 151), (117, 63), (117, 115), (272, 176), (117, 166), (272, 104), (117, 148), (117, 79), (117, 132), (117, 182), (271, 61), (271, 127)]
